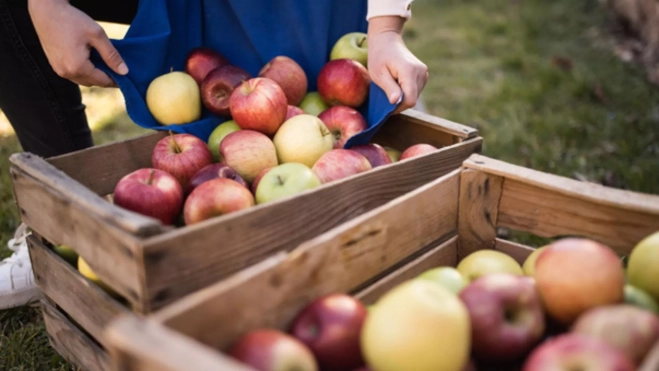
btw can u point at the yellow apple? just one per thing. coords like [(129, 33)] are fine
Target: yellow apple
[(484, 262), (448, 277), (643, 265), (640, 298), (304, 139), (88, 273), (529, 264), (66, 253), (393, 153), (418, 325), (174, 98)]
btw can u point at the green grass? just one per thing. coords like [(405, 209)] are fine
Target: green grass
[(537, 78)]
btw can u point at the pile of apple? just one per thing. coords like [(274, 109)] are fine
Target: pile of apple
[(278, 139), (572, 305)]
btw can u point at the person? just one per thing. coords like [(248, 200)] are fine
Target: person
[(44, 58)]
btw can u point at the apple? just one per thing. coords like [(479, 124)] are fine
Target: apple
[(217, 87), (218, 134), (338, 164), (272, 350), (259, 104), (66, 253), (417, 150), (248, 152), (150, 192), (643, 265), (313, 104), (417, 325), (353, 45), (285, 180), (640, 298), (255, 183), (574, 275), (529, 263), (289, 75), (344, 82), (202, 60), (214, 171), (87, 272), (343, 122), (174, 99), (303, 138), (393, 153), (216, 197), (181, 155), (507, 319), (374, 153), (293, 111), (330, 327), (448, 277), (572, 351), (483, 262)]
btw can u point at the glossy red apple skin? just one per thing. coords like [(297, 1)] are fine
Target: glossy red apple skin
[(338, 164), (258, 178), (217, 86), (374, 153), (293, 111), (272, 350), (417, 150), (330, 326), (344, 82), (216, 197), (343, 122), (213, 171), (181, 155), (259, 104), (150, 192), (202, 60), (289, 75)]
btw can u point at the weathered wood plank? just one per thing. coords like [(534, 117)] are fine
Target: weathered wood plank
[(517, 251)]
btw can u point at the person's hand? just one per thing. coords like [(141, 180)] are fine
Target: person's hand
[(391, 65), (67, 35)]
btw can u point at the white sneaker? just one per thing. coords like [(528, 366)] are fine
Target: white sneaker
[(17, 286)]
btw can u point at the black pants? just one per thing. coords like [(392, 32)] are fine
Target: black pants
[(45, 110)]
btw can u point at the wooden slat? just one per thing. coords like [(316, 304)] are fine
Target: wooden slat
[(82, 300), (338, 261), (651, 361), (442, 255), (185, 260), (517, 251), (71, 343)]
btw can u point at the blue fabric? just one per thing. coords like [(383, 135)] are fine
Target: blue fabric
[(249, 33)]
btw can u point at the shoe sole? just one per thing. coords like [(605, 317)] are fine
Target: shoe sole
[(20, 299)]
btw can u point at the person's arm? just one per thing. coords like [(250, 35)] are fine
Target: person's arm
[(67, 35)]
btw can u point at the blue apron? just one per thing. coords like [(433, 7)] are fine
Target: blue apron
[(249, 33)]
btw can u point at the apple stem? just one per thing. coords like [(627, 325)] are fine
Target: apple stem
[(281, 181), (151, 174), (361, 42), (177, 149)]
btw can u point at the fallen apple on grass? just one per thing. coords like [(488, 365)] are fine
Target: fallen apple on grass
[(343, 122), (181, 155), (313, 104), (174, 99), (374, 153), (216, 197), (218, 134), (248, 152), (344, 82), (339, 164), (303, 139), (285, 180), (214, 171), (482, 262), (417, 150), (289, 75), (259, 104), (217, 87), (272, 350), (202, 60)]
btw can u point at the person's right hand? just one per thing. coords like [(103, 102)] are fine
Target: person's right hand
[(67, 35)]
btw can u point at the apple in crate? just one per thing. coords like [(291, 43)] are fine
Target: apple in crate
[(340, 163), (374, 153), (483, 262), (181, 155), (568, 352), (641, 299), (344, 82), (150, 192), (288, 74), (214, 171), (285, 180), (507, 319), (257, 180), (313, 104), (217, 87), (218, 134), (174, 99), (529, 263), (303, 139), (353, 45), (393, 153), (343, 122), (248, 152), (272, 350), (448, 277), (202, 60), (293, 111), (216, 197), (259, 104), (417, 150), (643, 265)]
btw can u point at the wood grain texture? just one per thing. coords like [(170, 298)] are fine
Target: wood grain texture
[(71, 343), (479, 200), (517, 251), (81, 299), (271, 293)]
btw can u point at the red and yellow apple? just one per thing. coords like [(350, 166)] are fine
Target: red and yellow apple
[(216, 197), (293, 111), (374, 153), (272, 350), (150, 192), (417, 150), (338, 164), (202, 60), (344, 82), (181, 155), (343, 122), (259, 104), (248, 152), (289, 75)]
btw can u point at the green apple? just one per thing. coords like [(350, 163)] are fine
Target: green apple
[(640, 298), (66, 253), (529, 264), (174, 99), (482, 262), (643, 265), (353, 45), (221, 131), (285, 180), (393, 153), (448, 277), (313, 104)]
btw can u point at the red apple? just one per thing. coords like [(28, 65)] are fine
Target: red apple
[(331, 326), (202, 60), (248, 152), (293, 111), (417, 150), (506, 316), (218, 85), (344, 82), (150, 192), (338, 164), (343, 122), (259, 104), (272, 350), (216, 197), (258, 178), (181, 155), (570, 351), (289, 75), (374, 153), (214, 171)]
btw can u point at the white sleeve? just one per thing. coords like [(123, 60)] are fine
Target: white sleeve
[(401, 8)]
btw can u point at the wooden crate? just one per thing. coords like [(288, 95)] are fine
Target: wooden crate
[(64, 200), (435, 225)]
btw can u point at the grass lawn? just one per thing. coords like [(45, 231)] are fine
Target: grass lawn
[(537, 78)]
